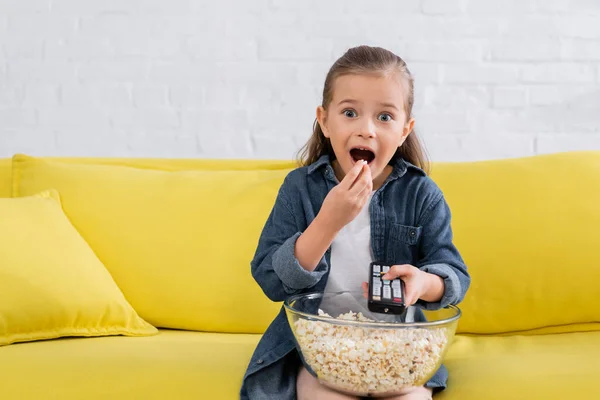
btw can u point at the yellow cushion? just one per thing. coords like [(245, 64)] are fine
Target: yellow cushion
[(51, 283), (171, 365), (528, 230), (563, 366), (195, 365), (5, 177), (178, 244)]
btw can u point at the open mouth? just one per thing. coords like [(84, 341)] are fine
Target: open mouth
[(361, 153)]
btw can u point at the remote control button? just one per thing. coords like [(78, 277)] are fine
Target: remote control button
[(396, 284), (376, 298), (397, 300), (387, 292), (376, 268), (386, 268)]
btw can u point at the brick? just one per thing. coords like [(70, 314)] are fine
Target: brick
[(164, 144), (154, 118), (41, 95), (308, 7), (580, 49), (186, 95), (76, 7), (528, 27), (510, 97), (208, 49), (274, 147), (228, 145), (23, 49), (106, 95), (525, 50), (551, 6), (290, 48), (435, 121), (543, 95), (493, 7), (16, 7), (27, 140), (453, 51), (485, 147), (41, 26), (31, 71), (586, 27), (114, 70), (80, 117), (150, 95), (567, 142), (17, 117), (516, 120), (96, 142), (442, 7), (424, 73), (11, 95), (79, 48), (215, 122), (479, 74), (558, 73), (442, 147), (179, 72), (457, 97)]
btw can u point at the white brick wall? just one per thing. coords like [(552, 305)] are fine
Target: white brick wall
[(238, 78)]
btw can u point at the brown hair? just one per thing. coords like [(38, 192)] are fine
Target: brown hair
[(357, 60)]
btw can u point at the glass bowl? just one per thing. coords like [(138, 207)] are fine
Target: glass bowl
[(357, 352)]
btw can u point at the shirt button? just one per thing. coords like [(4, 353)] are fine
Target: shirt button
[(259, 361), (412, 233)]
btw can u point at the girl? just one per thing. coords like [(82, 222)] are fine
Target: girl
[(361, 194)]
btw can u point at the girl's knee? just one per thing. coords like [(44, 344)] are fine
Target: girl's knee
[(309, 388)]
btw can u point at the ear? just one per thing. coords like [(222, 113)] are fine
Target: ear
[(321, 118), (408, 127)]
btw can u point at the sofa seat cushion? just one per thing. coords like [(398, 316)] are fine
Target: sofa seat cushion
[(171, 365), (195, 365), (559, 366)]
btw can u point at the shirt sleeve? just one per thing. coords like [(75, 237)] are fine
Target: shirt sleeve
[(275, 266), (439, 255)]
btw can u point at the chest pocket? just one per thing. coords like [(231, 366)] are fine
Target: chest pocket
[(403, 245)]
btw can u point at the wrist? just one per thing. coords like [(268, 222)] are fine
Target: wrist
[(326, 226), (434, 288)]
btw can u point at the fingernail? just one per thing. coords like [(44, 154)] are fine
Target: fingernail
[(386, 276)]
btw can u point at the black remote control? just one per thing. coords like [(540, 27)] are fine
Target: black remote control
[(385, 296)]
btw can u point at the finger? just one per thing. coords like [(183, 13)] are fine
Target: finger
[(397, 271), (365, 287), (351, 176), (362, 182)]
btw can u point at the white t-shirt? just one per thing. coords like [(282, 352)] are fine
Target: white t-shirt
[(351, 255)]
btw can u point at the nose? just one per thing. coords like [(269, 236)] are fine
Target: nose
[(367, 129)]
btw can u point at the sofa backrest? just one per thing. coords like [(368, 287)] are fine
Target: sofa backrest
[(5, 177), (527, 228)]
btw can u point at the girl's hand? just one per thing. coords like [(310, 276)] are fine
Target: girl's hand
[(418, 284), (344, 202)]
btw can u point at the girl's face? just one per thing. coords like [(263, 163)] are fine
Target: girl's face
[(365, 120)]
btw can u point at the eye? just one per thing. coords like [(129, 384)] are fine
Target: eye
[(349, 113), (385, 117)]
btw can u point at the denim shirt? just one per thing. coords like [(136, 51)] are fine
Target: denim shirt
[(410, 224)]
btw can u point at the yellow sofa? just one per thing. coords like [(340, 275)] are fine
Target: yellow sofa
[(177, 237)]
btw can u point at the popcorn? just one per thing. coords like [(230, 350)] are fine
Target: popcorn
[(369, 360)]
